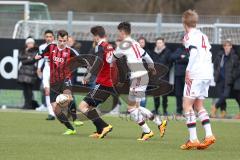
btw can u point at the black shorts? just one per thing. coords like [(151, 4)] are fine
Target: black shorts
[(98, 95), (58, 88)]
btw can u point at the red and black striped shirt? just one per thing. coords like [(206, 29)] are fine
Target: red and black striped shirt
[(58, 61), (108, 72)]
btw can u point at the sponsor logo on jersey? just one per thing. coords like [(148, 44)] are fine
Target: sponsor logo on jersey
[(58, 59)]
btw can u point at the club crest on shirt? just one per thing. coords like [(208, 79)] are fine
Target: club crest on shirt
[(65, 54), (109, 47)]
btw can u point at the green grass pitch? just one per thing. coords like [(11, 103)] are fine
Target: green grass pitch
[(27, 136)]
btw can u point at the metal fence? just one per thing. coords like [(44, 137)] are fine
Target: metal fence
[(150, 26)]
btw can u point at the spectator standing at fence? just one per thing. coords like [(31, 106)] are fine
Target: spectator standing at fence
[(161, 55), (224, 65), (74, 44), (180, 60), (236, 85), (27, 75)]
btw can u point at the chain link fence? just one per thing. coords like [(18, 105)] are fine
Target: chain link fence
[(150, 26)]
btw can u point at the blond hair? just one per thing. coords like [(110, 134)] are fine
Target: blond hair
[(190, 18), (227, 42)]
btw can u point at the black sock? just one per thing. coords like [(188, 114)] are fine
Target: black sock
[(97, 121), (73, 110), (64, 120)]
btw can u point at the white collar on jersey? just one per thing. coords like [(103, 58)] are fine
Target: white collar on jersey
[(128, 38), (60, 49), (192, 30)]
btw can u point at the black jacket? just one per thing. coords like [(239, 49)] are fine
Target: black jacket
[(236, 76), (164, 58), (27, 72), (229, 66), (180, 62)]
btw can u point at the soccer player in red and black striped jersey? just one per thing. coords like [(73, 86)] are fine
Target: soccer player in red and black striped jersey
[(59, 56), (104, 83)]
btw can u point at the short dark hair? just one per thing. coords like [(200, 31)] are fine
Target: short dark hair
[(142, 38), (62, 33), (160, 38), (125, 26), (48, 31), (98, 31)]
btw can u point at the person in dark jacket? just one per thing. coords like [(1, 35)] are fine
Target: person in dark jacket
[(224, 65), (180, 60), (27, 74), (74, 44), (161, 55), (236, 85)]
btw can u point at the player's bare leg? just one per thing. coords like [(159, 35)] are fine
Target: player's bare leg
[(204, 118), (63, 119), (72, 110), (190, 117)]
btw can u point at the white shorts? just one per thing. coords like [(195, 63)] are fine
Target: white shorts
[(197, 89), (138, 88), (46, 76)]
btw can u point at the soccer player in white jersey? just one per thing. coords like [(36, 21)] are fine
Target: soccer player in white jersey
[(45, 75), (139, 79), (199, 74)]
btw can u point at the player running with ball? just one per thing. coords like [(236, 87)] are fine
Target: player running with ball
[(59, 56), (138, 81), (199, 74)]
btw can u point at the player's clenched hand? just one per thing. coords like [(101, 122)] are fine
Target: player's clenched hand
[(152, 70), (84, 81), (37, 57), (39, 73), (119, 84)]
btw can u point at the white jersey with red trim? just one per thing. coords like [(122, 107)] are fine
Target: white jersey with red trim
[(132, 50), (200, 60)]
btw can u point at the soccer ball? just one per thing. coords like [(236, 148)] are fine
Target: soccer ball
[(62, 100)]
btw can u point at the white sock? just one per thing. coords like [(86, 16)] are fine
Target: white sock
[(157, 120), (49, 106), (145, 128), (137, 116), (191, 124), (204, 118), (192, 134), (148, 114)]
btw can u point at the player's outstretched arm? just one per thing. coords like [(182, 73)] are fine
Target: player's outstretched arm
[(114, 55), (97, 64), (150, 63)]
